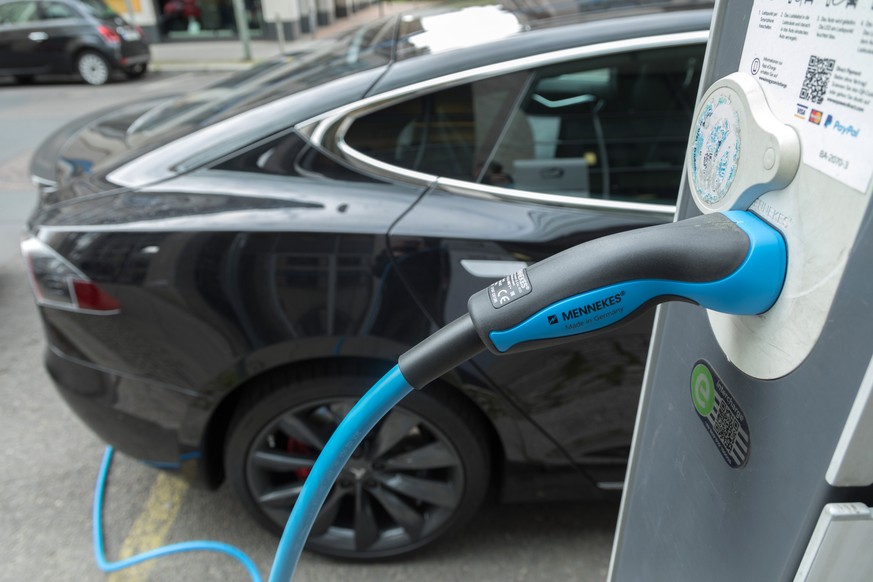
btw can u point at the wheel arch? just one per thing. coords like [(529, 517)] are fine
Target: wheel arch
[(215, 435), (85, 47)]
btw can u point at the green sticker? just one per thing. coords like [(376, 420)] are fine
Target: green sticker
[(720, 414), (702, 389)]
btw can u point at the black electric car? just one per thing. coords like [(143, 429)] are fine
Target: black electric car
[(83, 37), (222, 274)]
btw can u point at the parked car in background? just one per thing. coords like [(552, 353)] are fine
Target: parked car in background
[(82, 37), (179, 15), (222, 274)]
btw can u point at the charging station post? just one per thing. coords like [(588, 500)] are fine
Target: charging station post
[(752, 455)]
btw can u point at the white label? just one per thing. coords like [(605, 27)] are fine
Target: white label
[(814, 60)]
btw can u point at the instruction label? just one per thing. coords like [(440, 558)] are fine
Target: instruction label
[(814, 60)]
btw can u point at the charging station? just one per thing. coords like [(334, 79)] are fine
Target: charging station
[(752, 456), (753, 451)]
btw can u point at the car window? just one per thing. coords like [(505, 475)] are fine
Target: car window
[(18, 12), (447, 133), (99, 9), (614, 127), (56, 10)]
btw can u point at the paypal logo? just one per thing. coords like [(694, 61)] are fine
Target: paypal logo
[(846, 129)]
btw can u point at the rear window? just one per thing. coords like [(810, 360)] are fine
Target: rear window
[(368, 47)]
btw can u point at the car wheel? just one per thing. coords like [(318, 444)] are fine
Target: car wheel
[(136, 71), (420, 473), (24, 79), (93, 68)]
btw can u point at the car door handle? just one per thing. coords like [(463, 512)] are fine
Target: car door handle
[(37, 36)]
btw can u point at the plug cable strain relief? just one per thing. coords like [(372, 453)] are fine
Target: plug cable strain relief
[(441, 352)]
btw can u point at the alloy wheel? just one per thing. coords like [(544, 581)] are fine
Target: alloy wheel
[(403, 483)]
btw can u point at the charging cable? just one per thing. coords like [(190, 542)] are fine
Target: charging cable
[(193, 546)]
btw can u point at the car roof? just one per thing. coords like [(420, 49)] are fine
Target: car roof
[(304, 88), (452, 26)]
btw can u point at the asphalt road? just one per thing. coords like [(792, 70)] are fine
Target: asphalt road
[(49, 459)]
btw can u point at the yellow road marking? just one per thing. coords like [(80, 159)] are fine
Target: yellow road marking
[(151, 526)]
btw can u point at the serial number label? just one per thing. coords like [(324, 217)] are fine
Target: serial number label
[(832, 159), (509, 288)]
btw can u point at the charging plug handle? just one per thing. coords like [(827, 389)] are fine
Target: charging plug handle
[(733, 263)]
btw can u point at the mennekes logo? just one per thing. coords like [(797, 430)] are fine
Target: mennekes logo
[(588, 309)]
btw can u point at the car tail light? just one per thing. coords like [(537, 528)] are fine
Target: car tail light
[(57, 283), (109, 35)]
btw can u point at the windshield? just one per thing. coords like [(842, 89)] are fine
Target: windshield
[(365, 48)]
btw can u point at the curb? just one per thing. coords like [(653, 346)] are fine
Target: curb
[(201, 67)]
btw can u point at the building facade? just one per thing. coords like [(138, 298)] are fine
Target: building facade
[(178, 20)]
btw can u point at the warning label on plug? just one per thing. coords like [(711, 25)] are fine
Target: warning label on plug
[(510, 288)]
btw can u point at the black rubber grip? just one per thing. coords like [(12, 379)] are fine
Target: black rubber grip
[(447, 348), (698, 250)]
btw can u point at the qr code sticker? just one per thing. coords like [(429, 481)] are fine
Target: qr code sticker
[(726, 427), (818, 74)]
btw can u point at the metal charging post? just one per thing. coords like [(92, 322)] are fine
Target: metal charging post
[(753, 452)]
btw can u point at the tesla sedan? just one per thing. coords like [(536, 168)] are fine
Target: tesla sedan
[(222, 274)]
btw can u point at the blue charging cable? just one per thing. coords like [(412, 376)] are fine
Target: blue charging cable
[(369, 410), (193, 546), (374, 405)]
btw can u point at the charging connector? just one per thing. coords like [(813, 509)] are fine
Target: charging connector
[(732, 263)]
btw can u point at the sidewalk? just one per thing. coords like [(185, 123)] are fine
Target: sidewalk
[(228, 55)]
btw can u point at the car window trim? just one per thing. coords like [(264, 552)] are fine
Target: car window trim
[(333, 125)]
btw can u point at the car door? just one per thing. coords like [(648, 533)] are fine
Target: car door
[(61, 25), (19, 37), (531, 163), (306, 259)]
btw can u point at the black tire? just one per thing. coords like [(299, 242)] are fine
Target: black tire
[(136, 71), (422, 472), (93, 68), (24, 79)]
